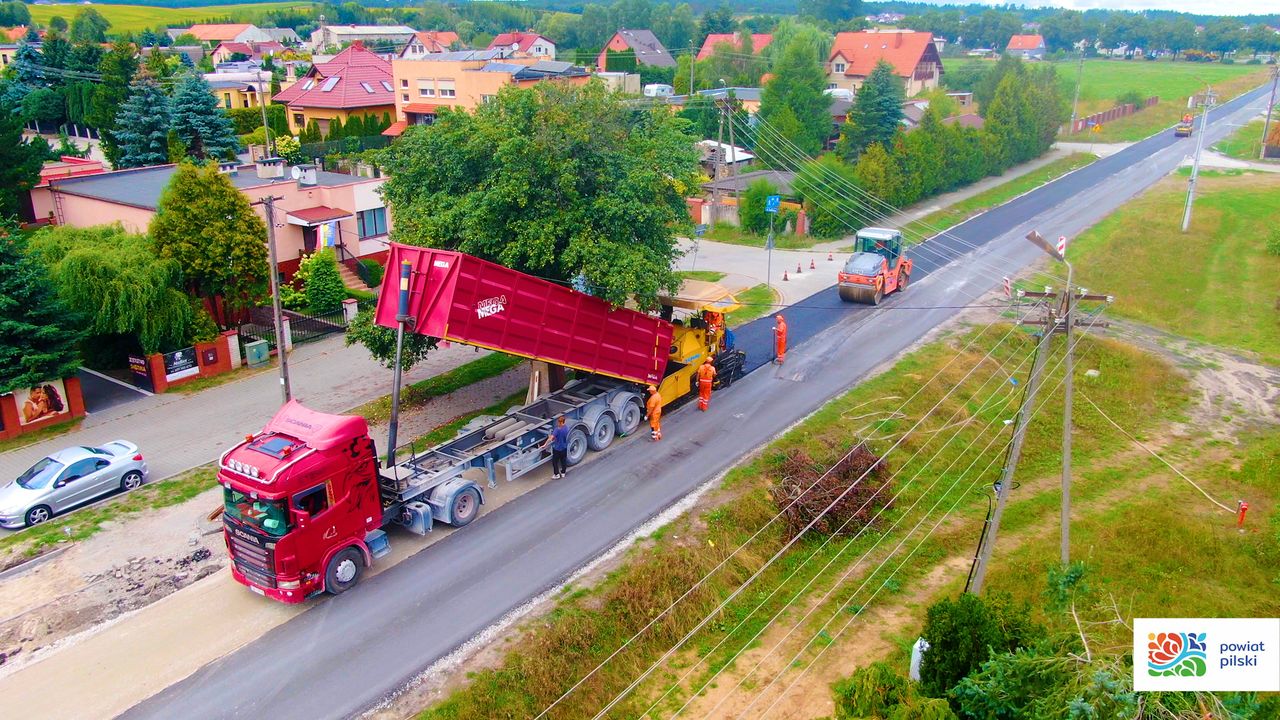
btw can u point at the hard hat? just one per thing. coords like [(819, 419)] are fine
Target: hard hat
[(778, 317), (653, 389)]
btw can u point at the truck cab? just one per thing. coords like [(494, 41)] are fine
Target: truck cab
[(300, 500), (878, 266)]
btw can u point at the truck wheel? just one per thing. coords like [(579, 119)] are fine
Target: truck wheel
[(630, 417), (577, 447), (602, 436), (343, 571), (465, 507)]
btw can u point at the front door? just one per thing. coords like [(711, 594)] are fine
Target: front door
[(308, 239)]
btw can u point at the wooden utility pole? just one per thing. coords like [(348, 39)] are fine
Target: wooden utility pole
[(1076, 102), (1266, 125), (1209, 97), (727, 109), (715, 180)]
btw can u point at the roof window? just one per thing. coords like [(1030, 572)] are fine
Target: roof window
[(329, 84), (367, 87)]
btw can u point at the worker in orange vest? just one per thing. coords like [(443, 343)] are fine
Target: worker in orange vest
[(779, 339), (654, 411), (706, 377)]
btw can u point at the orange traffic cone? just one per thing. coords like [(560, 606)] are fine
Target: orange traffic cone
[(798, 270), (811, 265), (829, 258), (784, 276)]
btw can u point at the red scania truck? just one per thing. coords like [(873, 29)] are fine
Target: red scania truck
[(305, 500)]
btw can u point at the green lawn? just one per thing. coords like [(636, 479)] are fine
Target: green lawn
[(987, 199), (1215, 284), (1243, 144), (726, 233), (140, 17), (704, 275), (756, 301)]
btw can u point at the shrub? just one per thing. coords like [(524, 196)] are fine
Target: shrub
[(751, 212), (201, 328), (869, 692), (323, 285), (966, 632), (373, 270), (1131, 97)]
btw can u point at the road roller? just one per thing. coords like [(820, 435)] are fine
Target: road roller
[(879, 266)]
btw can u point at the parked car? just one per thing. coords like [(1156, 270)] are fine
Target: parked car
[(69, 478)]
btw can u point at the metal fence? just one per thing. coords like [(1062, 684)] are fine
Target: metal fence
[(303, 327), (344, 145)]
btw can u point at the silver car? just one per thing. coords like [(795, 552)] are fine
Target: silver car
[(69, 478)]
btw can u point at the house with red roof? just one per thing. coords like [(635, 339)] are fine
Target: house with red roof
[(14, 34), (759, 41), (356, 82), (431, 42), (1027, 47), (643, 45), (252, 50), (213, 33), (523, 45), (913, 56)]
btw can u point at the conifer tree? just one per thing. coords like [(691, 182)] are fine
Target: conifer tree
[(142, 132), (876, 113), (200, 123), (36, 342)]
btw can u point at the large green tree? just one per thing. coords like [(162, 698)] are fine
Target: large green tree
[(556, 181), (143, 125), (826, 187), (206, 225), (832, 11), (876, 113), (37, 343), (200, 123), (797, 85), (115, 283), (19, 165), (89, 26), (117, 69)]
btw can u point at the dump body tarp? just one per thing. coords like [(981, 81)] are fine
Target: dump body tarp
[(465, 299)]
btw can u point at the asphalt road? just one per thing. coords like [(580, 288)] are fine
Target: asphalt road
[(349, 652)]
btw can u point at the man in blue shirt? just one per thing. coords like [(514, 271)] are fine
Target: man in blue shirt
[(559, 442)]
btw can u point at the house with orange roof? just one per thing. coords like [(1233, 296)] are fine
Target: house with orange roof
[(212, 34), (523, 45), (431, 42), (759, 41), (14, 34), (1027, 47), (226, 51), (912, 54), (356, 82)]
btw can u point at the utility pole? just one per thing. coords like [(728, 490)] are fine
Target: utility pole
[(403, 320), (1266, 125), (268, 204), (1075, 104), (715, 180), (693, 79), (1209, 97), (733, 146), (262, 103)]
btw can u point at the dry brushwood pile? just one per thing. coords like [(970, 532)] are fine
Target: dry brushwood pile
[(812, 488)]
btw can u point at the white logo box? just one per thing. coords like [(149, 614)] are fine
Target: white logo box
[(1238, 654)]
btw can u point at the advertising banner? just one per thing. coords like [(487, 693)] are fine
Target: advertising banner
[(180, 364), (39, 402)]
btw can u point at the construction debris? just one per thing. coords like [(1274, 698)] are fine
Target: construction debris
[(806, 488)]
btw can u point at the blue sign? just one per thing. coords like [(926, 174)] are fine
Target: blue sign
[(700, 229), (771, 203)]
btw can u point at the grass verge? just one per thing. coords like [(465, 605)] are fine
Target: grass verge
[(1243, 144), (86, 522), (491, 365), (1173, 83), (733, 235), (756, 302), (589, 623), (1216, 283), (704, 275), (40, 435), (964, 209)]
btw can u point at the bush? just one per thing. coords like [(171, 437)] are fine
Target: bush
[(1253, 61), (966, 632), (1228, 61), (323, 285), (373, 270), (201, 328), (751, 213), (869, 692), (1131, 97)]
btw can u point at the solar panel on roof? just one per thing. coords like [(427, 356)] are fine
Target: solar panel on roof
[(329, 84)]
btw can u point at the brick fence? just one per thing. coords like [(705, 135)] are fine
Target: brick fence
[(1107, 116)]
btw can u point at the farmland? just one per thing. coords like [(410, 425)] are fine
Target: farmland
[(139, 17)]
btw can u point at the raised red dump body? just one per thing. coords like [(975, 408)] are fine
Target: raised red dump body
[(465, 299)]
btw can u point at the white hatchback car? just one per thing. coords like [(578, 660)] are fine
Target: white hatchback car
[(69, 478)]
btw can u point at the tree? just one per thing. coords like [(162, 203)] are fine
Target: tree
[(115, 283), (832, 11), (55, 52), (44, 105), (985, 89), (876, 113), (323, 287), (117, 69), (143, 125), (200, 123), (381, 342), (879, 174), (27, 62), (89, 27), (58, 24), (14, 14), (19, 165), (797, 85), (964, 633), (558, 181), (751, 211), (206, 225), (36, 343), (826, 185), (715, 21)]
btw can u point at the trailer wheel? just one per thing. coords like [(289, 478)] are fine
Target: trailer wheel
[(343, 571), (578, 444), (629, 418), (465, 507), (602, 436)]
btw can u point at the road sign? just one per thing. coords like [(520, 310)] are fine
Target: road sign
[(1097, 128), (700, 229), (771, 203)]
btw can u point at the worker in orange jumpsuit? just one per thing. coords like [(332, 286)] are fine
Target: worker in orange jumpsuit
[(715, 327), (706, 377), (779, 339), (653, 409)]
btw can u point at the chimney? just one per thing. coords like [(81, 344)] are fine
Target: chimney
[(229, 168), (305, 175), (897, 39), (270, 168), (290, 72)]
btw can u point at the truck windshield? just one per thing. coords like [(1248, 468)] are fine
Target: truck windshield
[(269, 516)]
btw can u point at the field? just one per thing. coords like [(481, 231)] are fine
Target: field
[(1243, 144), (1215, 284), (140, 17), (1173, 82)]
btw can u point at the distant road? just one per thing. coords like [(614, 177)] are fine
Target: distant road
[(349, 652)]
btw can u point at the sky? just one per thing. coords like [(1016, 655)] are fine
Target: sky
[(1204, 7)]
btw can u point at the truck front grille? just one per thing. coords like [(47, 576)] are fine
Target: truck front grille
[(252, 561)]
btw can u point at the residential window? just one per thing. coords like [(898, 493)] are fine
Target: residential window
[(447, 89), (298, 120), (486, 99), (226, 100), (404, 97), (831, 86), (426, 88), (404, 83), (371, 223), (839, 67)]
